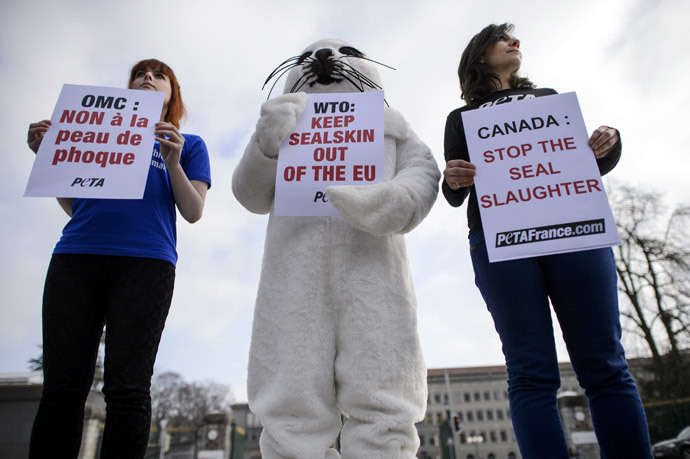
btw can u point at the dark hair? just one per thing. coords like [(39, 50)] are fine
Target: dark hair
[(176, 108), (476, 80)]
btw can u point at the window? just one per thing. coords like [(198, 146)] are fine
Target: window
[(490, 415), (477, 396), (487, 396), (491, 456), (460, 416), (504, 435), (499, 415), (468, 397), (470, 416), (437, 398), (463, 439), (511, 456), (445, 398), (493, 436), (253, 420), (497, 395), (480, 415)]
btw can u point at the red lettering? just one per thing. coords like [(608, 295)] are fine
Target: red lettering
[(567, 143), (59, 156), (102, 157), (593, 184), (512, 152), (329, 173), (369, 172)]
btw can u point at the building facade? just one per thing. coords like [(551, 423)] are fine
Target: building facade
[(468, 414)]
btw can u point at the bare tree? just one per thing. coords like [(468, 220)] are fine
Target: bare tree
[(36, 364), (185, 403), (654, 272)]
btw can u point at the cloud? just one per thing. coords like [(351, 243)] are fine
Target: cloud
[(624, 59)]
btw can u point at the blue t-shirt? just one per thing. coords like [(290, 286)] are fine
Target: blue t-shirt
[(136, 227)]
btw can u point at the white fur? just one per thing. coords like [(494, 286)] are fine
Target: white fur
[(335, 325)]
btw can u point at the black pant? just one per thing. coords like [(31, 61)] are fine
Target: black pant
[(131, 297)]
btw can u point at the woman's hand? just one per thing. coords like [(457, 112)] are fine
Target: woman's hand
[(602, 141), (190, 195), (459, 173), (36, 133), (171, 142), (34, 138)]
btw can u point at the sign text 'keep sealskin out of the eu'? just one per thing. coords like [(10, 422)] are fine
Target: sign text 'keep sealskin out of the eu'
[(338, 140)]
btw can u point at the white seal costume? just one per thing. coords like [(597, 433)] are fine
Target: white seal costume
[(335, 327)]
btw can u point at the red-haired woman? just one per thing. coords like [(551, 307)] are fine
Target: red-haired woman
[(114, 266)]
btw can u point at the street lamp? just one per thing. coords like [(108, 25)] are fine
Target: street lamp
[(450, 443), (161, 438), (476, 439)]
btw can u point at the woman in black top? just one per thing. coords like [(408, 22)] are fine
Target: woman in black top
[(581, 286)]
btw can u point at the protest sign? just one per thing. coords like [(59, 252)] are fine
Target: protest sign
[(99, 144), (538, 185), (338, 140)]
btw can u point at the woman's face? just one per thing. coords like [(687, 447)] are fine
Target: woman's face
[(504, 56), (153, 80)]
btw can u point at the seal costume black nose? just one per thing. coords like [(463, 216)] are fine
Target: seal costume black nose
[(322, 66)]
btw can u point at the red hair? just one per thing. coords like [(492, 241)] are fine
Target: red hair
[(176, 110)]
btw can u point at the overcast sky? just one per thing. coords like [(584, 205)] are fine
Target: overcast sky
[(628, 61)]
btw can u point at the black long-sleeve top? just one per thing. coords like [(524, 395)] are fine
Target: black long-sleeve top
[(455, 147)]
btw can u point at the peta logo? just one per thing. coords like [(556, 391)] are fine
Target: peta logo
[(503, 100), (88, 182)]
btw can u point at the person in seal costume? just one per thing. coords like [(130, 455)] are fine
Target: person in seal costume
[(335, 327)]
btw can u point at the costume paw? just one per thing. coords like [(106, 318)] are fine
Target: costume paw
[(378, 209), (278, 118)]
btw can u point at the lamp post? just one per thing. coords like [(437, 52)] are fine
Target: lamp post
[(451, 447), (161, 438), (451, 416), (476, 439)]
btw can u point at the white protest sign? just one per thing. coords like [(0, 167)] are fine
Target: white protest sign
[(99, 144), (538, 185), (338, 140)]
